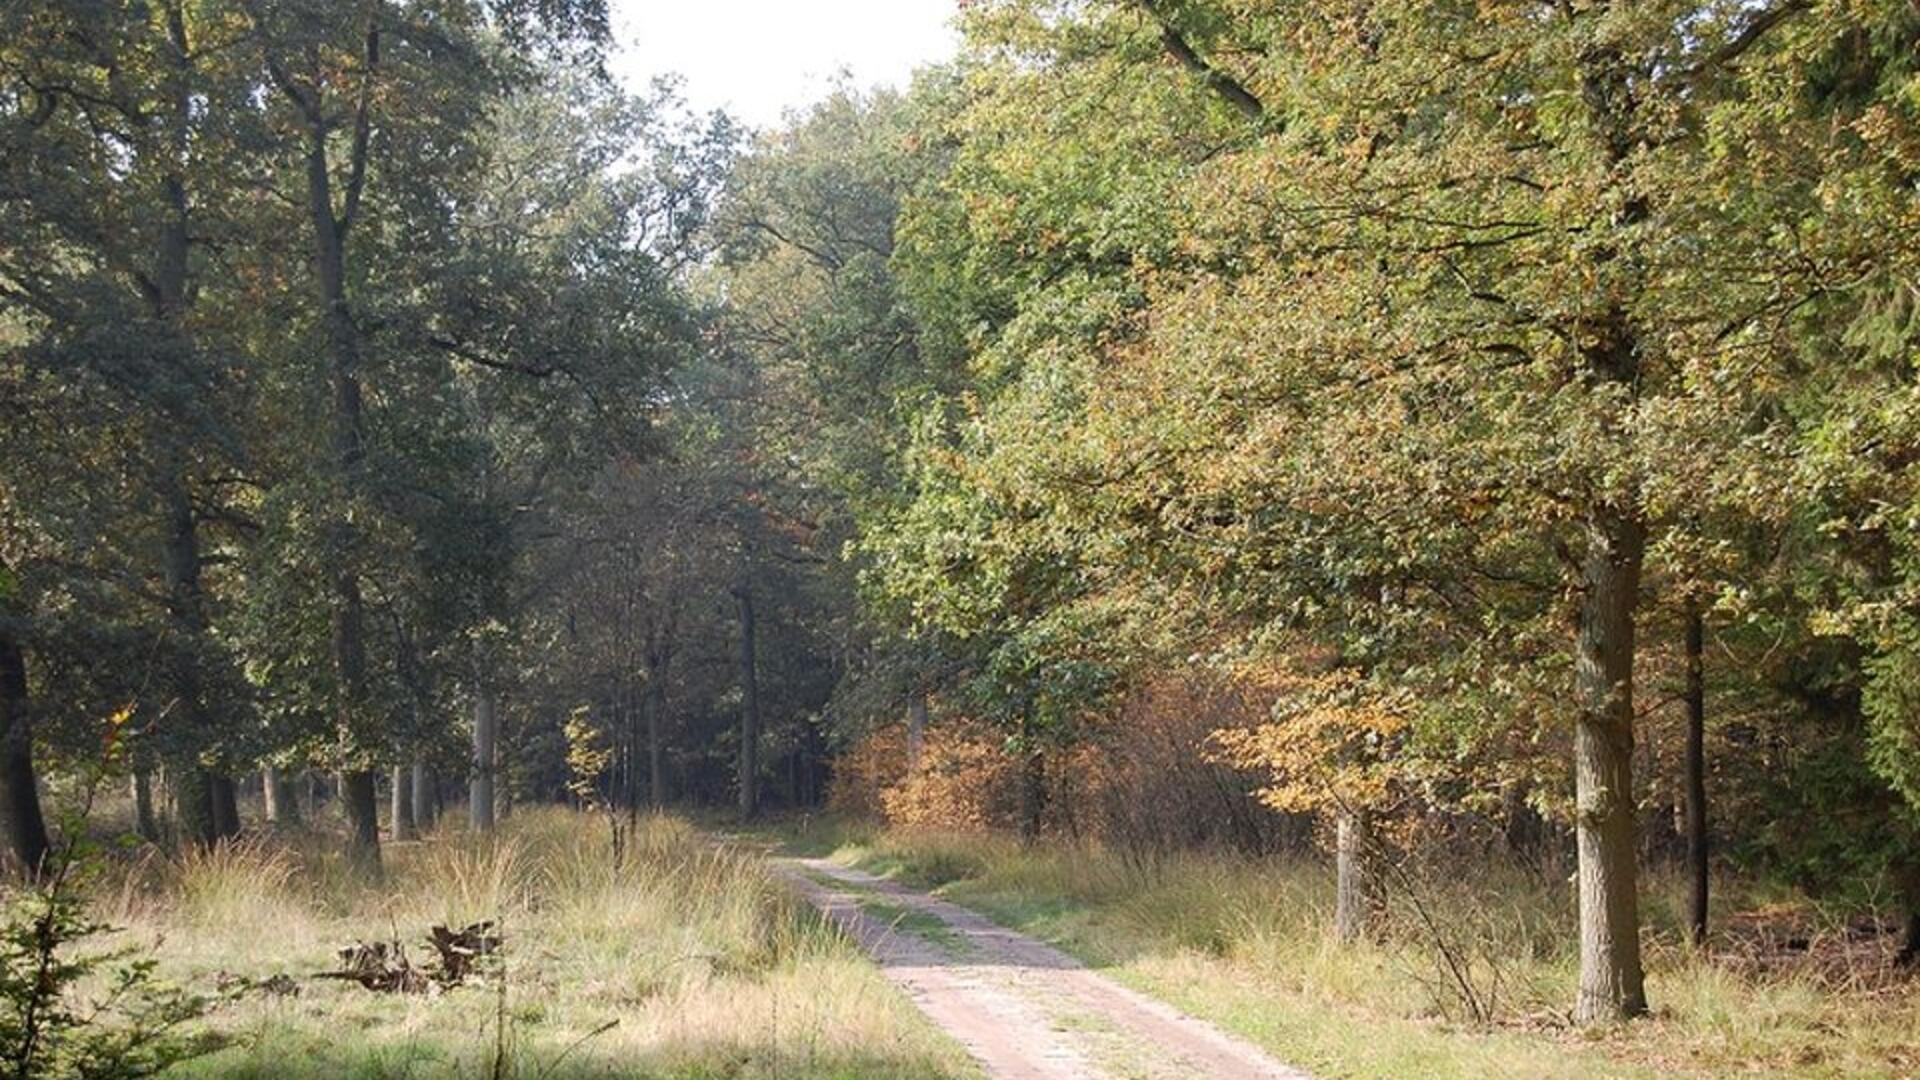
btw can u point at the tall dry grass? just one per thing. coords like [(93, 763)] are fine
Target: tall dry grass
[(1246, 942), (676, 959)]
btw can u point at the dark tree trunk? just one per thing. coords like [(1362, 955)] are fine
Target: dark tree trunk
[(226, 805), (749, 710), (143, 819), (656, 752), (25, 826), (1033, 793), (193, 804), (1697, 852), (423, 786), (360, 799), (402, 812)]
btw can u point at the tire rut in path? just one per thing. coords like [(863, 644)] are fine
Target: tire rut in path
[(1022, 1008)]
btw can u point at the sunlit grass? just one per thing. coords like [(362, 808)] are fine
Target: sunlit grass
[(679, 960), (1246, 943)]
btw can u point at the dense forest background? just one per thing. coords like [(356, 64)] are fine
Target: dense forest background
[(1411, 430)]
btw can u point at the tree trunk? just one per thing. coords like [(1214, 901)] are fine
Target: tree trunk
[(1696, 778), (1357, 888), (226, 805), (656, 719), (360, 799), (916, 727), (485, 730), (1612, 986), (25, 826), (422, 788), (193, 811), (282, 807), (749, 710), (143, 820), (402, 812), (1033, 794)]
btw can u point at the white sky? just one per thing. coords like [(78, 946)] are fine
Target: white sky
[(756, 58)]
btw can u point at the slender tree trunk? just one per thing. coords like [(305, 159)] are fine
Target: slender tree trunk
[(25, 826), (402, 811), (283, 807), (1033, 786), (749, 710), (143, 820), (485, 730), (226, 805), (422, 788), (1612, 986), (1357, 887), (916, 727), (1696, 778), (656, 752)]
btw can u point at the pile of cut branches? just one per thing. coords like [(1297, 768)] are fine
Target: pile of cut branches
[(384, 967)]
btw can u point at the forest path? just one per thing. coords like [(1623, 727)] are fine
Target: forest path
[(1023, 1009)]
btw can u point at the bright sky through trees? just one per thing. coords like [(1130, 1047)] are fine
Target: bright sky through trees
[(758, 57)]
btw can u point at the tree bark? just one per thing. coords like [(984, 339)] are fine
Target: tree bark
[(361, 801), (402, 811), (1612, 985), (193, 809), (282, 807), (422, 788), (485, 730), (656, 752), (916, 727), (1357, 888), (143, 819), (749, 710), (1697, 851), (1033, 792), (24, 824), (226, 805)]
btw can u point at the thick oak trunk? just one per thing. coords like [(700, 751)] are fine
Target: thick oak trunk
[(193, 811), (1357, 899), (360, 800), (1612, 985), (143, 818)]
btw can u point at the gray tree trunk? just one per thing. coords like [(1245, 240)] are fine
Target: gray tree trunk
[(1612, 984), (749, 710), (281, 805), (1357, 899), (485, 730), (422, 787), (226, 805), (916, 727), (402, 811)]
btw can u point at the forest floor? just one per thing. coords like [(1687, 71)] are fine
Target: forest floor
[(1243, 945), (674, 961)]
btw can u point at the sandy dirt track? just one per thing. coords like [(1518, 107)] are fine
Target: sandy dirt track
[(1023, 1009)]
